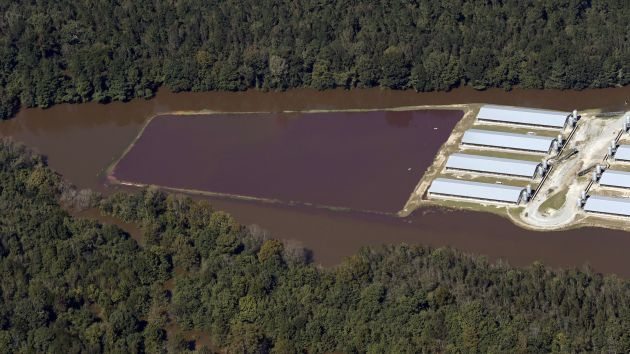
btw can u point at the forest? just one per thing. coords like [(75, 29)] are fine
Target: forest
[(102, 50), (73, 285)]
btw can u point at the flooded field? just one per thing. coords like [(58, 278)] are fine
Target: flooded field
[(357, 160), (332, 236), (81, 141)]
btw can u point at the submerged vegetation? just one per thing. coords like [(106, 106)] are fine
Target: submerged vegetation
[(72, 285), (77, 51)]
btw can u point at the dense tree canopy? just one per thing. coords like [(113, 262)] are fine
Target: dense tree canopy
[(73, 285), (76, 51)]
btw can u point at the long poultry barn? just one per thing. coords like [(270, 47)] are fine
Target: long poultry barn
[(496, 193), (617, 179), (622, 153), (509, 141), (607, 205), (523, 116), (493, 165)]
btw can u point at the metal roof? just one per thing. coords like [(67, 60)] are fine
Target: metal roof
[(608, 205), (507, 140), (476, 190), (489, 164), (523, 116), (623, 153), (615, 179)]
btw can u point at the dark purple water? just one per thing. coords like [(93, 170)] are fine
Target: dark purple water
[(359, 160)]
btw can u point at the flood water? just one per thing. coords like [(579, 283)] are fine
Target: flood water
[(358, 160), (80, 141)]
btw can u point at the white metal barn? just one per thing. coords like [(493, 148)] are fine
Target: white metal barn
[(608, 205), (511, 141), (493, 165), (612, 178), (446, 187), (623, 153), (523, 116)]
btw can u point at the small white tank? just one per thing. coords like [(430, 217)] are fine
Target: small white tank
[(598, 169), (575, 114), (583, 195), (579, 203), (594, 176)]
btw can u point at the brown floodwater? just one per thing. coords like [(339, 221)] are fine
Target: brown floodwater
[(80, 141), (358, 160), (332, 236)]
